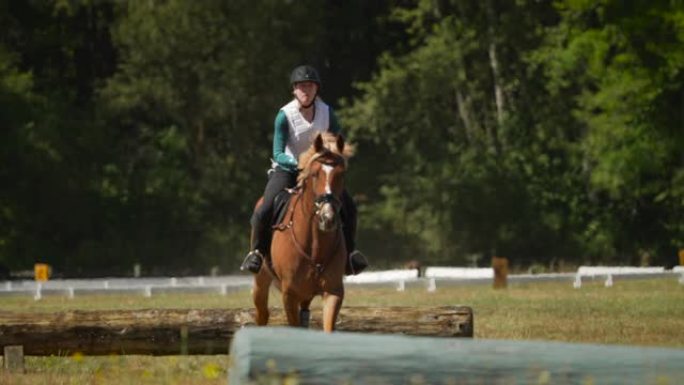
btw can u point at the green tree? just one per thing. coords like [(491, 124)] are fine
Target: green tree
[(622, 65), (461, 150), (52, 57), (140, 131)]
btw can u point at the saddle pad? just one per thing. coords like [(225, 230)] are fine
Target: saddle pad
[(280, 206)]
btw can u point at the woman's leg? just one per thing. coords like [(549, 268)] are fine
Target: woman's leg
[(349, 221), (356, 261), (278, 180)]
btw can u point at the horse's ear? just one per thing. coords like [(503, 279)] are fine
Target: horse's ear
[(340, 144), (318, 143)]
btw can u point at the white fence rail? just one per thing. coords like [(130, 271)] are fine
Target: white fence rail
[(624, 272), (618, 270), (383, 276), (143, 286), (459, 272), (400, 279)]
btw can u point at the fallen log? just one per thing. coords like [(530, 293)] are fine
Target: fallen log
[(201, 331), (279, 356)]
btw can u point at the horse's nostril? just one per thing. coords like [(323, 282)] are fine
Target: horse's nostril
[(328, 212), (327, 220)]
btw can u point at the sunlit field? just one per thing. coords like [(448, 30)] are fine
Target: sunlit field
[(634, 312)]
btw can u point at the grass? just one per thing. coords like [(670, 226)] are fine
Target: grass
[(121, 370), (632, 312)]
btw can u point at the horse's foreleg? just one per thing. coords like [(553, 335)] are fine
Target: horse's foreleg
[(331, 308), (304, 314), (291, 307), (262, 284)]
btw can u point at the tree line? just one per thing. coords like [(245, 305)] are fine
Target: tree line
[(140, 132)]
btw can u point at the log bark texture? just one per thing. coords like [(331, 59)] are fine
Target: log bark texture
[(201, 331)]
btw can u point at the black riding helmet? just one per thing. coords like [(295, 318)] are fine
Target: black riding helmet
[(305, 73)]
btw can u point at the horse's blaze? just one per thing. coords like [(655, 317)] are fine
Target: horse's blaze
[(327, 211), (327, 168)]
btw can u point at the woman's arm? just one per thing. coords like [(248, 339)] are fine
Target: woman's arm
[(282, 132)]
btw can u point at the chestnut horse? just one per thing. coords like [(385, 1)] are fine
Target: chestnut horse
[(308, 252)]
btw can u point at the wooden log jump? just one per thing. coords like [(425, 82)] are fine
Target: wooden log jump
[(201, 331), (276, 355)]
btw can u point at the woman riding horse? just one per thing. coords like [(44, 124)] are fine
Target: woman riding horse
[(296, 125)]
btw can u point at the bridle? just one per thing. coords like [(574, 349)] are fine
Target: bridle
[(319, 202)]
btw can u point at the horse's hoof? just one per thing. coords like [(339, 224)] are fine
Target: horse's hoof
[(304, 316)]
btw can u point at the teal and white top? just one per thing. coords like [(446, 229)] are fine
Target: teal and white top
[(293, 134)]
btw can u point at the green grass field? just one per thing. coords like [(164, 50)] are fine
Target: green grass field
[(634, 312)]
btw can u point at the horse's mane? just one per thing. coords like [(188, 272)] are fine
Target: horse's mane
[(329, 149)]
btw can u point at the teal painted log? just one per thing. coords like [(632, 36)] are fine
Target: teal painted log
[(281, 355)]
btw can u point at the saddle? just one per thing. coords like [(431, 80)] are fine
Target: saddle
[(280, 204)]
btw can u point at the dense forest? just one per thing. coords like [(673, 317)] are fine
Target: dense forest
[(139, 132)]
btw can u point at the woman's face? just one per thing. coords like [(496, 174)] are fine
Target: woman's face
[(305, 92)]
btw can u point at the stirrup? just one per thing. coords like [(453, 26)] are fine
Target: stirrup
[(356, 263), (252, 261)]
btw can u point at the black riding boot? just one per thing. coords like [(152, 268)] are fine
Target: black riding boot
[(356, 261), (255, 257)]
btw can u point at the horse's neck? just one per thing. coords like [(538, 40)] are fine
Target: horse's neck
[(306, 203)]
